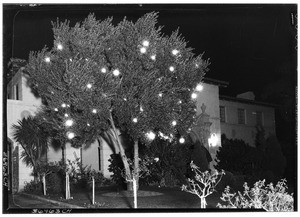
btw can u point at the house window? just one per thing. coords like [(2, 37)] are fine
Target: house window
[(241, 116), (259, 118), (222, 114), (16, 92)]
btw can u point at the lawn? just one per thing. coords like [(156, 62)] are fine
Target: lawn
[(148, 198)]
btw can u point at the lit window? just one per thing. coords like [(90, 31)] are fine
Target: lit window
[(241, 116), (222, 114)]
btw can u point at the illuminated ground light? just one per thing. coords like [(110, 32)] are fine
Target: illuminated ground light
[(116, 72)]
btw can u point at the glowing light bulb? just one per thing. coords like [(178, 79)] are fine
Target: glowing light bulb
[(143, 50), (199, 87), (174, 123), (194, 95), (56, 109), (71, 59), (171, 68), (69, 123), (179, 101), (88, 124), (125, 99), (175, 52), (63, 105), (156, 159), (160, 94), (47, 59), (151, 135), (59, 46), (116, 72), (103, 70), (70, 135), (89, 86), (94, 111), (66, 115), (141, 109), (153, 57), (146, 43), (181, 140), (134, 120), (197, 65)]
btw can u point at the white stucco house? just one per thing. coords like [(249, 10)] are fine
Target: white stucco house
[(211, 123)]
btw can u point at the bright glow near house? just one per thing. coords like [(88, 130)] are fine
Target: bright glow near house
[(213, 140), (70, 135)]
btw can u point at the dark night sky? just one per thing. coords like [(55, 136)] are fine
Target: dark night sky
[(249, 46)]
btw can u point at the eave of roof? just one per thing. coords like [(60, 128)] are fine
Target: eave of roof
[(247, 101), (215, 82)]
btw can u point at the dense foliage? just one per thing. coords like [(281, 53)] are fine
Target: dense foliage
[(260, 196)]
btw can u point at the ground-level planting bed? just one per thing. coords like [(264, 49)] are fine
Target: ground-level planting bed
[(148, 198)]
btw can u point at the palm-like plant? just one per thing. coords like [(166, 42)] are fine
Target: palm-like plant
[(29, 133)]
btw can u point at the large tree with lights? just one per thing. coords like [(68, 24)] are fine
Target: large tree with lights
[(100, 79)]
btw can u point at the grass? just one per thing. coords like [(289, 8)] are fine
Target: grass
[(111, 198)]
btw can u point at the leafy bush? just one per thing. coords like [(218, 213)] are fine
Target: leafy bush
[(236, 156), (33, 187), (171, 165), (261, 196)]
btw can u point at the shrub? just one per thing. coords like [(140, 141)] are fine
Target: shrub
[(261, 196), (203, 183), (33, 187), (236, 156)]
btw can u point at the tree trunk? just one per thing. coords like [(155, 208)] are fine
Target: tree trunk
[(203, 203), (136, 163), (122, 151)]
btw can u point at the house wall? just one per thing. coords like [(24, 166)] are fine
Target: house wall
[(210, 97), (247, 131), (16, 110), (90, 157)]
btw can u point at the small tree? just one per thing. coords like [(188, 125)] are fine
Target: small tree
[(269, 197), (203, 183), (100, 79), (30, 134)]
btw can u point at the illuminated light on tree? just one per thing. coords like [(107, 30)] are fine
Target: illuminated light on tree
[(175, 52), (199, 87), (171, 68), (69, 123), (174, 123), (179, 101), (70, 135), (59, 46), (47, 59), (135, 120), (153, 57), (181, 140), (70, 59), (194, 96), (146, 43), (88, 124), (143, 50), (94, 111), (89, 86), (141, 109), (103, 70), (66, 115), (150, 135), (160, 94), (63, 105), (116, 72), (55, 109)]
